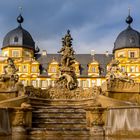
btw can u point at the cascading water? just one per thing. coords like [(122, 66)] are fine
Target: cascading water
[(121, 120), (5, 128)]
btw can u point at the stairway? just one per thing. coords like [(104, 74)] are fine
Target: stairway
[(58, 119)]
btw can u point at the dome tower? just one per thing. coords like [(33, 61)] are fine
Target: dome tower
[(18, 42), (129, 38), (127, 43)]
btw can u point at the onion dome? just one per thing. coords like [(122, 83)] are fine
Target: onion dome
[(19, 37), (129, 38)]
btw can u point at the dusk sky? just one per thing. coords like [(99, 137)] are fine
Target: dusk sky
[(94, 24)]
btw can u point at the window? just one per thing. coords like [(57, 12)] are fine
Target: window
[(132, 69), (123, 69), (5, 53), (84, 83), (132, 55), (15, 39), (26, 53), (34, 69), (24, 82), (93, 69), (15, 53), (137, 69), (44, 84), (53, 69), (24, 68), (93, 83), (121, 54), (52, 83), (34, 83)]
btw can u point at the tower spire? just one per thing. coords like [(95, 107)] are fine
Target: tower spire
[(129, 19), (20, 19), (129, 10)]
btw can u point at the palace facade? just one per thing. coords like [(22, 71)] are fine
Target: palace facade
[(40, 69)]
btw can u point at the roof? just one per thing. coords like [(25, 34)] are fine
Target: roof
[(83, 59), (129, 38), (24, 38)]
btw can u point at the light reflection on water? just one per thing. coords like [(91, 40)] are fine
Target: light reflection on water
[(22, 137)]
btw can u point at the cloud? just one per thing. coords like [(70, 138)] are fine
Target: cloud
[(93, 23)]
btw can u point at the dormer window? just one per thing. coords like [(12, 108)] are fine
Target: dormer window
[(15, 39), (93, 69), (53, 69)]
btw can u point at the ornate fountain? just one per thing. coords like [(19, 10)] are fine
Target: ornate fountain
[(72, 110)]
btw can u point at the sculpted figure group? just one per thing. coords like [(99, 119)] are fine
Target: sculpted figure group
[(9, 78), (67, 73), (114, 72)]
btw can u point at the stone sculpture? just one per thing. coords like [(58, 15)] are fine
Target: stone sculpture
[(67, 72), (9, 79), (114, 72)]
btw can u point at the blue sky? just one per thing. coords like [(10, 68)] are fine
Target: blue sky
[(94, 24)]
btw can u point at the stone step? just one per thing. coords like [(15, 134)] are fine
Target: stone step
[(59, 115), (34, 103), (59, 132), (58, 111), (58, 125), (58, 120), (58, 107), (63, 102)]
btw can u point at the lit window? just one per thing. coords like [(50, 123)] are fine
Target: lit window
[(15, 53), (24, 68), (132, 54), (15, 39), (33, 68)]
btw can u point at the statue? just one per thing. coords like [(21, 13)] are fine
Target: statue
[(114, 72), (67, 74), (9, 80), (10, 69)]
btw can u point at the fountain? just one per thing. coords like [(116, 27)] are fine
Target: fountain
[(67, 110)]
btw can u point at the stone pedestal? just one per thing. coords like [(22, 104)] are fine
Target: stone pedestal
[(94, 116), (19, 130), (97, 131), (21, 119)]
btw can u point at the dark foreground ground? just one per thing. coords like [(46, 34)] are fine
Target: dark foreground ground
[(19, 137)]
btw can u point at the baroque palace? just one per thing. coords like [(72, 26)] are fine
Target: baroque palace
[(41, 69)]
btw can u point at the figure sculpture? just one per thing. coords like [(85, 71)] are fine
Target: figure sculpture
[(66, 65), (8, 80), (114, 72)]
